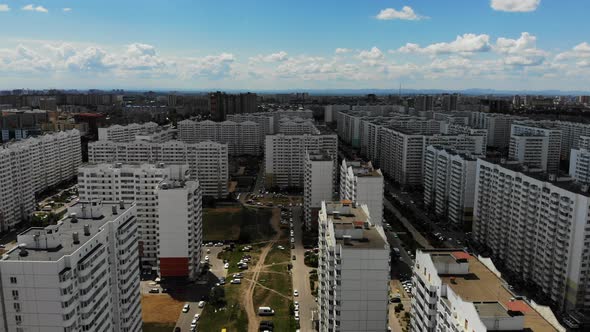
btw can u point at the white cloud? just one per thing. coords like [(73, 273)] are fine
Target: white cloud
[(515, 5), (67, 9), (465, 44), (273, 57), (371, 57), (342, 50), (580, 51), (4, 8), (406, 13), (33, 8), (520, 52)]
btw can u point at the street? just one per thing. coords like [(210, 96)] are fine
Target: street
[(300, 274)]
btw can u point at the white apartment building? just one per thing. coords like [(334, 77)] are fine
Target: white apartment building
[(158, 136), (318, 184), (180, 206), (118, 133), (143, 184), (499, 127), (580, 161), (81, 274), (353, 270), (362, 183), (241, 137), (454, 291), (536, 146), (284, 156), (31, 166), (402, 151), (330, 112), (449, 184), (207, 161), (536, 226), (297, 126)]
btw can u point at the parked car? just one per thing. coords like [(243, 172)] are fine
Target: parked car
[(186, 307), (236, 281), (295, 293), (201, 304), (265, 311), (226, 266), (154, 290)]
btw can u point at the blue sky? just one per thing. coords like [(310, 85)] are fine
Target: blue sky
[(453, 44)]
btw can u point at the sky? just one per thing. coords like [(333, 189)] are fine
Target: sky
[(303, 44)]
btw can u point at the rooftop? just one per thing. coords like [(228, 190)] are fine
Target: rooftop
[(55, 241), (351, 226), (319, 156), (365, 170), (488, 293)]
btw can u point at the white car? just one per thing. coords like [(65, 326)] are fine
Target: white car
[(226, 266), (193, 323), (206, 258), (295, 293), (201, 304), (296, 315), (186, 307), (197, 316), (296, 304)]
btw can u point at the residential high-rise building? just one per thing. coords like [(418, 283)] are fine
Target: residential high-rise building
[(242, 138), (31, 166), (222, 104), (449, 184), (353, 270), (118, 133), (179, 209), (207, 161), (360, 182), (449, 101), (167, 205), (81, 274), (580, 161), (424, 103), (499, 127), (454, 291), (536, 146), (284, 156), (536, 227), (318, 184)]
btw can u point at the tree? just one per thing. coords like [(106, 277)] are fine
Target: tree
[(217, 297)]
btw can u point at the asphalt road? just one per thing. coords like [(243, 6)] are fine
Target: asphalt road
[(216, 267), (300, 274)]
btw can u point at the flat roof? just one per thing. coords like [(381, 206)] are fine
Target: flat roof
[(345, 217), (66, 230), (482, 287)]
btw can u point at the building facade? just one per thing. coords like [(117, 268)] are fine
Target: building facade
[(118, 133), (242, 138), (81, 274), (353, 270), (536, 227), (362, 183), (207, 161), (318, 184)]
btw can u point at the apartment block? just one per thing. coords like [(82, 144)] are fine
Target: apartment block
[(180, 207), (240, 137), (284, 156), (353, 270), (207, 161), (449, 184), (167, 205), (499, 127), (580, 161), (318, 184), (536, 146), (362, 183), (118, 133), (454, 291), (536, 226), (31, 166), (81, 274), (297, 126)]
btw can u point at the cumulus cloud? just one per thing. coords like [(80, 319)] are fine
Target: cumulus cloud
[(4, 7), (67, 9), (273, 57), (342, 50), (371, 57), (465, 44), (579, 51), (406, 13), (520, 52), (33, 8), (515, 5)]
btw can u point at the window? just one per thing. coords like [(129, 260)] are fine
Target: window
[(13, 280), (15, 294), (18, 319), (16, 307)]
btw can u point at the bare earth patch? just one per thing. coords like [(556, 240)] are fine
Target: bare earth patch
[(160, 308)]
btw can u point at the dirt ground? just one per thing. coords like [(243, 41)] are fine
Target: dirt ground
[(227, 209), (160, 308)]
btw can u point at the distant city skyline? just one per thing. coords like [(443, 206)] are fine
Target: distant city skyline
[(267, 45)]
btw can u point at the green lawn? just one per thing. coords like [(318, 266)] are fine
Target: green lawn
[(157, 327), (237, 224), (280, 282)]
